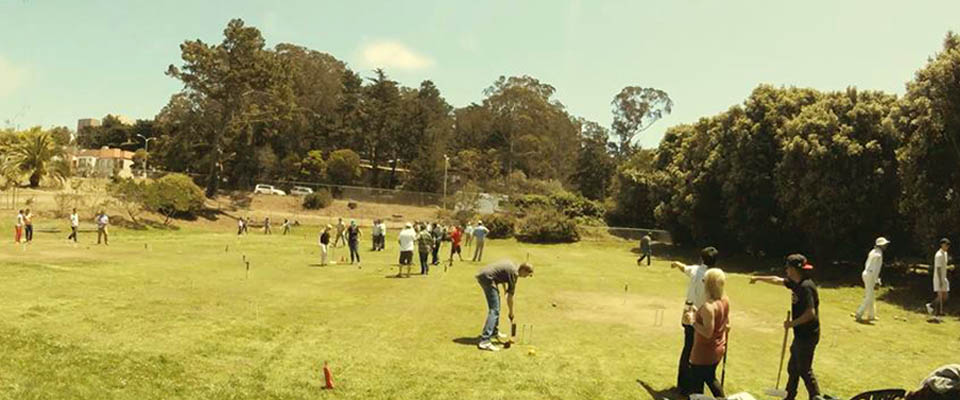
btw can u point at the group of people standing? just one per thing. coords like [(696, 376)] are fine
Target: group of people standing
[(23, 232), (426, 238), (23, 229), (243, 226), (706, 315), (349, 235), (706, 324)]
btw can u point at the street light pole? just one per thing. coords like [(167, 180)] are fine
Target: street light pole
[(446, 163), (146, 148)]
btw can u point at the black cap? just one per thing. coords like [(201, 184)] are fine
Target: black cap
[(796, 260)]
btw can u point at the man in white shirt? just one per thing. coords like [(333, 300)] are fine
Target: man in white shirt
[(102, 221), (18, 233), (468, 234), (74, 224), (696, 296), (941, 285), (406, 239), (871, 278), (480, 233)]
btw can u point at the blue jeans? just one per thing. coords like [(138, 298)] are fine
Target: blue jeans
[(424, 266), (491, 326), (354, 253)]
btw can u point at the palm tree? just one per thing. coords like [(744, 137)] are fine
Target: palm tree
[(37, 155)]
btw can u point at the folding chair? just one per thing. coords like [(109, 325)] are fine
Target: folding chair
[(886, 394)]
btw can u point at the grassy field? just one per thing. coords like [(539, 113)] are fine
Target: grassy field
[(171, 315)]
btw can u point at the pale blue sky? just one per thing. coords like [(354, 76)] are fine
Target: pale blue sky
[(66, 59)]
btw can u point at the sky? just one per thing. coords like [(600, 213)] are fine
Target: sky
[(61, 60)]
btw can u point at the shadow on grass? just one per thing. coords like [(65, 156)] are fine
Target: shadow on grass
[(670, 393), (913, 297), (467, 340)]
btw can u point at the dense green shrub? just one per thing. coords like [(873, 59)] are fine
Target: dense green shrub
[(500, 225), (547, 225), (317, 200), (571, 204), (175, 195), (530, 201)]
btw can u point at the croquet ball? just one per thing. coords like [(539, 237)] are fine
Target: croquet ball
[(553, 304), (532, 352)]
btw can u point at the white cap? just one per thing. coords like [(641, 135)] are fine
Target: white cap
[(882, 241), (409, 225)]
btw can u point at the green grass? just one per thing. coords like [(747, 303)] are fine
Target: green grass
[(180, 321)]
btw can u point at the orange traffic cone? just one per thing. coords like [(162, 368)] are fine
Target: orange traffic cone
[(327, 376)]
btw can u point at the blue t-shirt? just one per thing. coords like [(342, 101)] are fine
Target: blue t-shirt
[(480, 232)]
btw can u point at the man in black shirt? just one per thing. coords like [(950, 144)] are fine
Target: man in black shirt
[(805, 324), (500, 273)]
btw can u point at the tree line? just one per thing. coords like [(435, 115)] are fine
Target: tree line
[(805, 170), (248, 112)]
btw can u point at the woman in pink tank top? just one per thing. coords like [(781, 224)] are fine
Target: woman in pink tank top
[(710, 342)]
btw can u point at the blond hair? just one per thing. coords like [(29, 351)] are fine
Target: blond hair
[(714, 281)]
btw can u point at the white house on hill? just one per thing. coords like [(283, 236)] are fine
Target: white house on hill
[(104, 162)]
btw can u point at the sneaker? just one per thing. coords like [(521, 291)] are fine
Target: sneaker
[(502, 337), (929, 309), (486, 345)]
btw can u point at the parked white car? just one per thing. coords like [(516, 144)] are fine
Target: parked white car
[(301, 191), (268, 189)]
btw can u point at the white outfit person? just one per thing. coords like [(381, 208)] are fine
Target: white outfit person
[(871, 277), (940, 282)]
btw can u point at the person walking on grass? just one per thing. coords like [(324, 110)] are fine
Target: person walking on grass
[(241, 224), (480, 234), (341, 229), (805, 322), (438, 235), (645, 251), (353, 241), (383, 235), (28, 225), (406, 239), (18, 230), (696, 297), (374, 235), (941, 285), (468, 235), (102, 232), (286, 226), (74, 225), (504, 273), (871, 279), (455, 238), (712, 323), (266, 226), (324, 244), (425, 247)]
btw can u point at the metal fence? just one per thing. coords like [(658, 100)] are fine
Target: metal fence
[(368, 194), (9, 199)]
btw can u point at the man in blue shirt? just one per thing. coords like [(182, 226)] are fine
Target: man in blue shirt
[(480, 234)]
